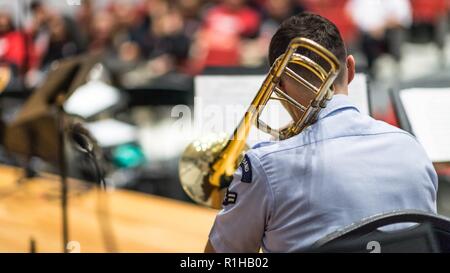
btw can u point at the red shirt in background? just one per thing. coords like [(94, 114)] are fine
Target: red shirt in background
[(335, 11), (222, 32), (12, 49), (429, 10)]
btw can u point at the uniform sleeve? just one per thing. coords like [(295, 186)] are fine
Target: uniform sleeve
[(240, 225), (431, 174), (428, 174)]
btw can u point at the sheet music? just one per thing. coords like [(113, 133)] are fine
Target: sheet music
[(428, 112), (111, 132), (92, 98), (221, 101)]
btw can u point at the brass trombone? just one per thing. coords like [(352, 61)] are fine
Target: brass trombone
[(207, 165)]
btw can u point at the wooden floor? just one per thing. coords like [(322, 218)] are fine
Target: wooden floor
[(116, 221)]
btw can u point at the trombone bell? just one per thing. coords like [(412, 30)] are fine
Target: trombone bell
[(195, 167)]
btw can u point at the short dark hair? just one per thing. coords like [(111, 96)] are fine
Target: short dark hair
[(311, 26)]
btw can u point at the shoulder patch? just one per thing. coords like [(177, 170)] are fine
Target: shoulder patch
[(230, 198), (246, 167)]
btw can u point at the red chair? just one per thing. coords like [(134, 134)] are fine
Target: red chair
[(335, 11), (426, 11), (431, 17)]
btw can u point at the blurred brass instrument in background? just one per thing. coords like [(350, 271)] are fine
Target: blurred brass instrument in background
[(207, 165)]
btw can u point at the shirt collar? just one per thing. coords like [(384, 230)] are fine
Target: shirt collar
[(338, 102)]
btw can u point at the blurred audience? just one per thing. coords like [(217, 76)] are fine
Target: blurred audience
[(144, 40), (62, 41), (156, 42), (12, 43), (51, 36), (273, 12), (226, 24)]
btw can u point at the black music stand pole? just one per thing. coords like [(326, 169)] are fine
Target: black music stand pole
[(41, 122), (63, 172)]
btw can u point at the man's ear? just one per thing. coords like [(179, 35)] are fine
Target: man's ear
[(350, 63)]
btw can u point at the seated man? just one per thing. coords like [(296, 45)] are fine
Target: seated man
[(344, 167)]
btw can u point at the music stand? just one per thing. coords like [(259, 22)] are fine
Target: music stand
[(436, 81), (39, 128)]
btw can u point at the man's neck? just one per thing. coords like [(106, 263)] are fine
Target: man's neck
[(341, 90)]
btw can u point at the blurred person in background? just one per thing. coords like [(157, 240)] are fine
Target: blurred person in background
[(38, 33), (273, 13), (124, 51), (13, 53), (109, 37), (160, 30), (162, 39), (276, 11), (53, 36), (167, 32), (101, 34), (12, 43), (84, 16), (382, 25), (62, 41), (336, 12), (192, 11), (225, 26)]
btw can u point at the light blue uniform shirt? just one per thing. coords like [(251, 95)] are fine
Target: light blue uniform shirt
[(347, 166)]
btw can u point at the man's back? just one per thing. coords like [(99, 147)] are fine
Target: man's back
[(343, 168)]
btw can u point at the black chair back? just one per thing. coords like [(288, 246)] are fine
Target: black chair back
[(430, 234)]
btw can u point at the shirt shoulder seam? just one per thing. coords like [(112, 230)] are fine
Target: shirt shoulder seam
[(273, 205), (332, 138)]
